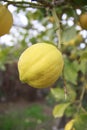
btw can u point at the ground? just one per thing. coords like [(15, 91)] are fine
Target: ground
[(35, 115)]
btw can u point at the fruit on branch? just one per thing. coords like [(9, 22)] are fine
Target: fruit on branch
[(83, 20), (6, 20), (40, 65)]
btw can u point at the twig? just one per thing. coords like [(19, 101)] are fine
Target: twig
[(39, 4), (64, 86), (24, 4), (45, 3), (81, 98), (57, 21)]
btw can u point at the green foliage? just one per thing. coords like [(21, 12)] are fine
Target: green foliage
[(71, 110), (29, 118), (59, 95), (64, 104), (70, 32), (81, 122), (9, 54), (59, 109), (71, 71)]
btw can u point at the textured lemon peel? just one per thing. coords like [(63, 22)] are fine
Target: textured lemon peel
[(40, 65)]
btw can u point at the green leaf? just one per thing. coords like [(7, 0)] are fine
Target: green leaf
[(70, 111), (84, 55), (68, 34), (81, 122), (82, 66), (58, 94), (70, 71), (59, 109)]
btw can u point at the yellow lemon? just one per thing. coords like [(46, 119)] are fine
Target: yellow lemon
[(83, 20), (40, 65), (69, 125), (6, 20)]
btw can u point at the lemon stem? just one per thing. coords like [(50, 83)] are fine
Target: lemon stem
[(57, 21)]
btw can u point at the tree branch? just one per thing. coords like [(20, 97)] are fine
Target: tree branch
[(45, 3), (39, 4), (24, 4), (57, 21)]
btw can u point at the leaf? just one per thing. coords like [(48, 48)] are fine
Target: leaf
[(81, 122), (84, 55), (71, 93), (59, 109), (58, 94), (82, 66), (70, 111), (68, 34), (70, 71)]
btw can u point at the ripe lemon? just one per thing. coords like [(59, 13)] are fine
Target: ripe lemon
[(6, 20), (40, 65), (83, 21), (69, 125)]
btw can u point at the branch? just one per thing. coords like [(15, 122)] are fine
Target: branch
[(51, 4), (23, 4), (81, 98), (57, 21), (46, 3), (39, 4)]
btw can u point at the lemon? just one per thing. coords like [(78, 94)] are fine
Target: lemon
[(69, 125), (83, 20), (40, 65), (6, 20)]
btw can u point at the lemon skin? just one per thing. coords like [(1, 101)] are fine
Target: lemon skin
[(40, 65)]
